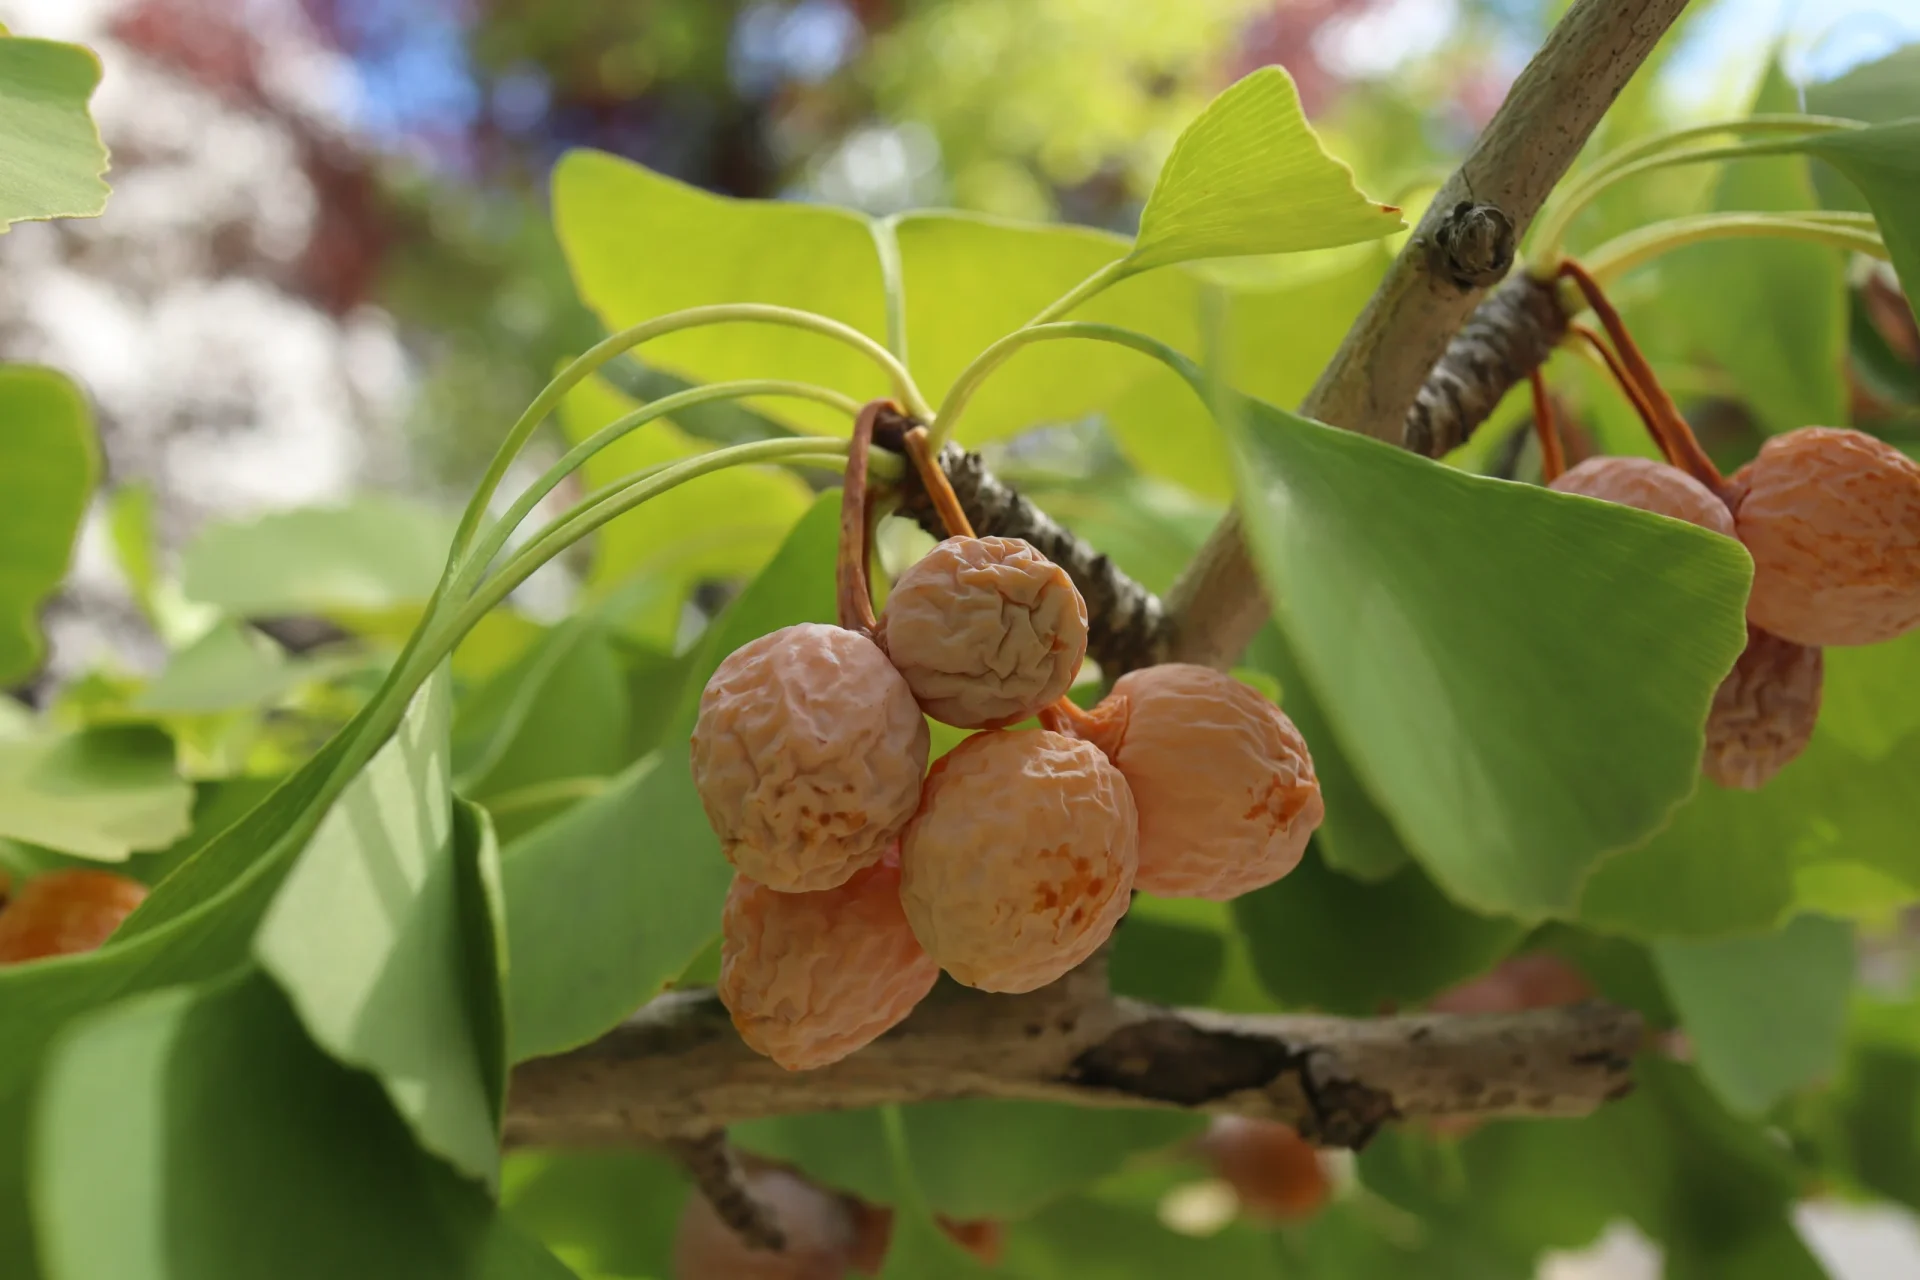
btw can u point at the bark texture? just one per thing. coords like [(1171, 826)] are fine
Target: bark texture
[(676, 1068), (1508, 336)]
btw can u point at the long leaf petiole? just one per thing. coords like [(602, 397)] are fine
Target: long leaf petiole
[(1855, 232)]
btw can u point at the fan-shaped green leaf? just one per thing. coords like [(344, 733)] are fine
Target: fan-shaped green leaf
[(1249, 176), (372, 936), (247, 1152), (48, 464), (51, 157), (100, 793), (1403, 588)]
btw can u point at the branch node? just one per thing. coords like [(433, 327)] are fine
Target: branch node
[(1473, 247)]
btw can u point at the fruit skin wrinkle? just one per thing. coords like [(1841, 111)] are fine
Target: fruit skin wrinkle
[(986, 631), (1021, 859), (1764, 712), (1222, 779), (1832, 519), (808, 754), (811, 977)]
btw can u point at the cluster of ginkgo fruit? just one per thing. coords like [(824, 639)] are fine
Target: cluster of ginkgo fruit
[(1830, 516), (861, 874)]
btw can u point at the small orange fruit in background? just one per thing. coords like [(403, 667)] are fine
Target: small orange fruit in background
[(63, 913)]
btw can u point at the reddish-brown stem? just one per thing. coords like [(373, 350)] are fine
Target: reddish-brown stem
[(1065, 716), (853, 596), (1685, 448), (1552, 461), (935, 482), (1628, 388)]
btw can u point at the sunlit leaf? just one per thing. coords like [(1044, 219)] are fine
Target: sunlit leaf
[(249, 1153), (373, 553), (51, 157), (723, 525), (1764, 1015), (369, 936), (48, 464), (231, 666), (602, 1212), (641, 245), (1248, 176), (560, 713), (1883, 161), (1771, 313), (1401, 586), (100, 793)]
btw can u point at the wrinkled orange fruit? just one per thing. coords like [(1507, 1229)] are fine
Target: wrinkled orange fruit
[(1021, 858), (1649, 486), (1223, 781), (1832, 519), (811, 977), (808, 755), (1764, 712), (986, 631)]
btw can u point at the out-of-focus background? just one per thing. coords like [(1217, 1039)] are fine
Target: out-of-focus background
[(327, 265)]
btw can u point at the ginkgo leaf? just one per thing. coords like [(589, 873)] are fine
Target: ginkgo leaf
[(1249, 176)]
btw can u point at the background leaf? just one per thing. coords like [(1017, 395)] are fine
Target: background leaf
[(100, 793), (1248, 176), (1883, 161), (372, 553), (368, 939), (1772, 313), (1323, 940), (190, 1179), (1764, 1015), (49, 462), (51, 157), (1399, 585)]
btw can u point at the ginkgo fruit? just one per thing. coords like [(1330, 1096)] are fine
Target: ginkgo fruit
[(1649, 486), (60, 913), (811, 977), (820, 1230), (1021, 858), (807, 755), (1764, 712), (1222, 780), (1832, 519), (986, 631), (1274, 1172)]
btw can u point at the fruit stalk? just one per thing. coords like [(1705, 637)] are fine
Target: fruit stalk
[(1675, 436), (1553, 460), (854, 599)]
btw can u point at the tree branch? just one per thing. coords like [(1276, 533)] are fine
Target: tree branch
[(677, 1068), (1218, 605)]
